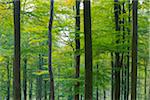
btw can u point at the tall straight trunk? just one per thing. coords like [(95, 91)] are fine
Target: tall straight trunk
[(88, 50), (52, 96), (8, 82), (128, 55), (149, 93), (58, 82), (45, 90), (97, 91), (30, 90), (25, 79), (145, 81), (16, 67), (126, 97), (81, 97), (117, 54), (39, 80), (77, 53), (134, 49), (104, 95), (123, 58), (112, 76)]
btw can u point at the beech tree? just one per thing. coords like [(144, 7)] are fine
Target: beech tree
[(52, 95), (134, 49), (74, 50), (16, 67), (77, 52), (88, 50)]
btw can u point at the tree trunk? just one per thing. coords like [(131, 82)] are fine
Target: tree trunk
[(123, 58), (149, 93), (25, 79), (58, 82), (16, 67), (45, 90), (145, 83), (88, 50), (52, 96), (39, 80), (117, 54), (128, 56), (30, 90), (104, 95), (77, 53), (112, 77), (97, 91), (8, 82), (134, 50)]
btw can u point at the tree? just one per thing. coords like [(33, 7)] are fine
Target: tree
[(16, 67), (39, 80), (52, 96), (8, 82), (128, 55), (77, 52), (117, 54), (25, 79), (88, 50), (134, 49)]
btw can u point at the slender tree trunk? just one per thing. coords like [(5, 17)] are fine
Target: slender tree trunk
[(145, 83), (16, 67), (30, 90), (88, 50), (117, 54), (8, 82), (123, 58), (134, 50), (58, 82), (39, 80), (112, 77), (149, 93), (104, 95), (97, 92), (45, 90), (25, 79), (52, 95), (128, 55), (77, 53)]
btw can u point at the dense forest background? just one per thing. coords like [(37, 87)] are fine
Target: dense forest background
[(70, 50)]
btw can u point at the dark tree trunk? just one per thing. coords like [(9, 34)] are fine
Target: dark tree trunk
[(77, 53), (145, 83), (8, 82), (97, 91), (81, 97), (39, 80), (112, 77), (58, 82), (134, 50), (149, 93), (16, 67), (88, 50), (45, 90), (104, 95), (117, 54), (25, 79), (52, 96), (123, 58), (30, 90)]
